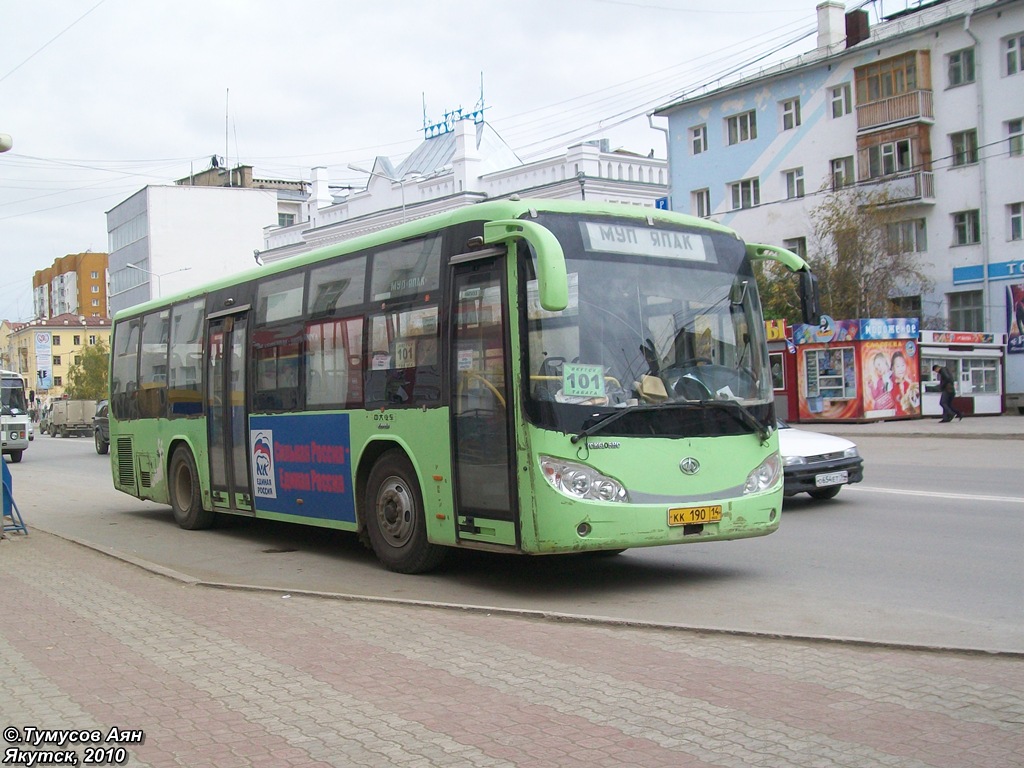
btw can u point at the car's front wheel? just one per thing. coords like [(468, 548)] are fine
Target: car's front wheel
[(102, 446)]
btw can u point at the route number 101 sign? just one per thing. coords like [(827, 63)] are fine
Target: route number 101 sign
[(583, 380)]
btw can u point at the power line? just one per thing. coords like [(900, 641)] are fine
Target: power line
[(51, 40)]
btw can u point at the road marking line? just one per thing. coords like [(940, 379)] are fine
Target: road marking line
[(968, 496)]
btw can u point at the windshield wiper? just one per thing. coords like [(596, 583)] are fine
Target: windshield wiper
[(735, 409), (610, 419), (741, 414)]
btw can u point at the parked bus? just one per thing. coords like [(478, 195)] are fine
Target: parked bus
[(519, 376), (14, 416)]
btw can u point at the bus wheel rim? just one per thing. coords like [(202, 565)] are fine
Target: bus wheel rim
[(396, 512)]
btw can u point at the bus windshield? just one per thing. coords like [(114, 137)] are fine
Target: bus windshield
[(662, 320), (12, 395)]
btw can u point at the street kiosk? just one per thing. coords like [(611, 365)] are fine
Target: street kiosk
[(976, 363), (858, 370)]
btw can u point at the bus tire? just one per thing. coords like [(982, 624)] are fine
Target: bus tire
[(395, 517), (185, 492)]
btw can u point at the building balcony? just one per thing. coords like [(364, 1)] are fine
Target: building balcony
[(917, 187), (916, 105)]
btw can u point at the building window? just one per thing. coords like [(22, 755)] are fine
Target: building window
[(966, 311), (745, 194), (285, 219), (95, 289), (58, 381), (699, 139), (56, 340), (794, 183), (95, 302), (76, 340), (1016, 221), (797, 245), (841, 101), (842, 172), (966, 228), (94, 275), (78, 359), (92, 340), (1015, 135), (886, 79), (790, 114), (965, 147), (700, 200), (907, 237), (1014, 50), (56, 360), (742, 127), (961, 67), (889, 158), (906, 306)]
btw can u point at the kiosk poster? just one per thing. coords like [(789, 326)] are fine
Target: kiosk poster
[(891, 385), (1015, 319)]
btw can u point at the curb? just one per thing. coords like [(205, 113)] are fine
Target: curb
[(582, 619)]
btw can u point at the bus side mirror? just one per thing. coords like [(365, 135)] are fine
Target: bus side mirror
[(810, 301), (552, 279)]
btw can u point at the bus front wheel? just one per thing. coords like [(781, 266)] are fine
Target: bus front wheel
[(395, 517), (186, 497)]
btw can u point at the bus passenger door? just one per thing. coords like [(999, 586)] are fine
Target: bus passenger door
[(481, 410), (227, 418)]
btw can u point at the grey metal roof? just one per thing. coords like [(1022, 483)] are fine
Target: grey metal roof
[(437, 152)]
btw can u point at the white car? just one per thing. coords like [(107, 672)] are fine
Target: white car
[(817, 464)]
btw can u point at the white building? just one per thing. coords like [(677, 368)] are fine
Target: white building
[(165, 239), (461, 163), (928, 105)]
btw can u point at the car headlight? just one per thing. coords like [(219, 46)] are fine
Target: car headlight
[(764, 476), (851, 453), (791, 460), (579, 481)]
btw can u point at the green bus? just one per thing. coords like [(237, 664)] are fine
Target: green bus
[(530, 376)]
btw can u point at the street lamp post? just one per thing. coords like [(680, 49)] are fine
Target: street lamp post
[(154, 274), (399, 182)]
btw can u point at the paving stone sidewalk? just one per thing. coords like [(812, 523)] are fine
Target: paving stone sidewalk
[(227, 677)]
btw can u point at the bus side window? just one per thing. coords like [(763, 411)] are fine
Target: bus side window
[(404, 362), (124, 370)]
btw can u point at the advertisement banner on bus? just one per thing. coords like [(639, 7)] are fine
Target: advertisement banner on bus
[(301, 465)]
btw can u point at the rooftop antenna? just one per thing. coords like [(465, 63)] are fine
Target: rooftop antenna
[(227, 99)]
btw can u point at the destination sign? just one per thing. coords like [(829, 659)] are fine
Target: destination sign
[(644, 241)]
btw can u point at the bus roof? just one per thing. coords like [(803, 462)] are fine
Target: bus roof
[(486, 211)]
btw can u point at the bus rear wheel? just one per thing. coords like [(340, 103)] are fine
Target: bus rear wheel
[(186, 497), (395, 517)]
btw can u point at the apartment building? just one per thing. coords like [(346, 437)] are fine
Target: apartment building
[(76, 284), (46, 349), (926, 105)]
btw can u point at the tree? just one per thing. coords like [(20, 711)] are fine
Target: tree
[(862, 264), (87, 378)]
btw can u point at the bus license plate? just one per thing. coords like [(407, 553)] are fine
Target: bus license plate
[(695, 515), (831, 478)]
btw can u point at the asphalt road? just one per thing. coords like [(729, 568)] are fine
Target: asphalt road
[(925, 552)]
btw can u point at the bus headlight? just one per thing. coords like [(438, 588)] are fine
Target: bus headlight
[(765, 476), (580, 481)]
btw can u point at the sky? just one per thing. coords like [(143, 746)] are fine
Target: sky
[(104, 97)]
